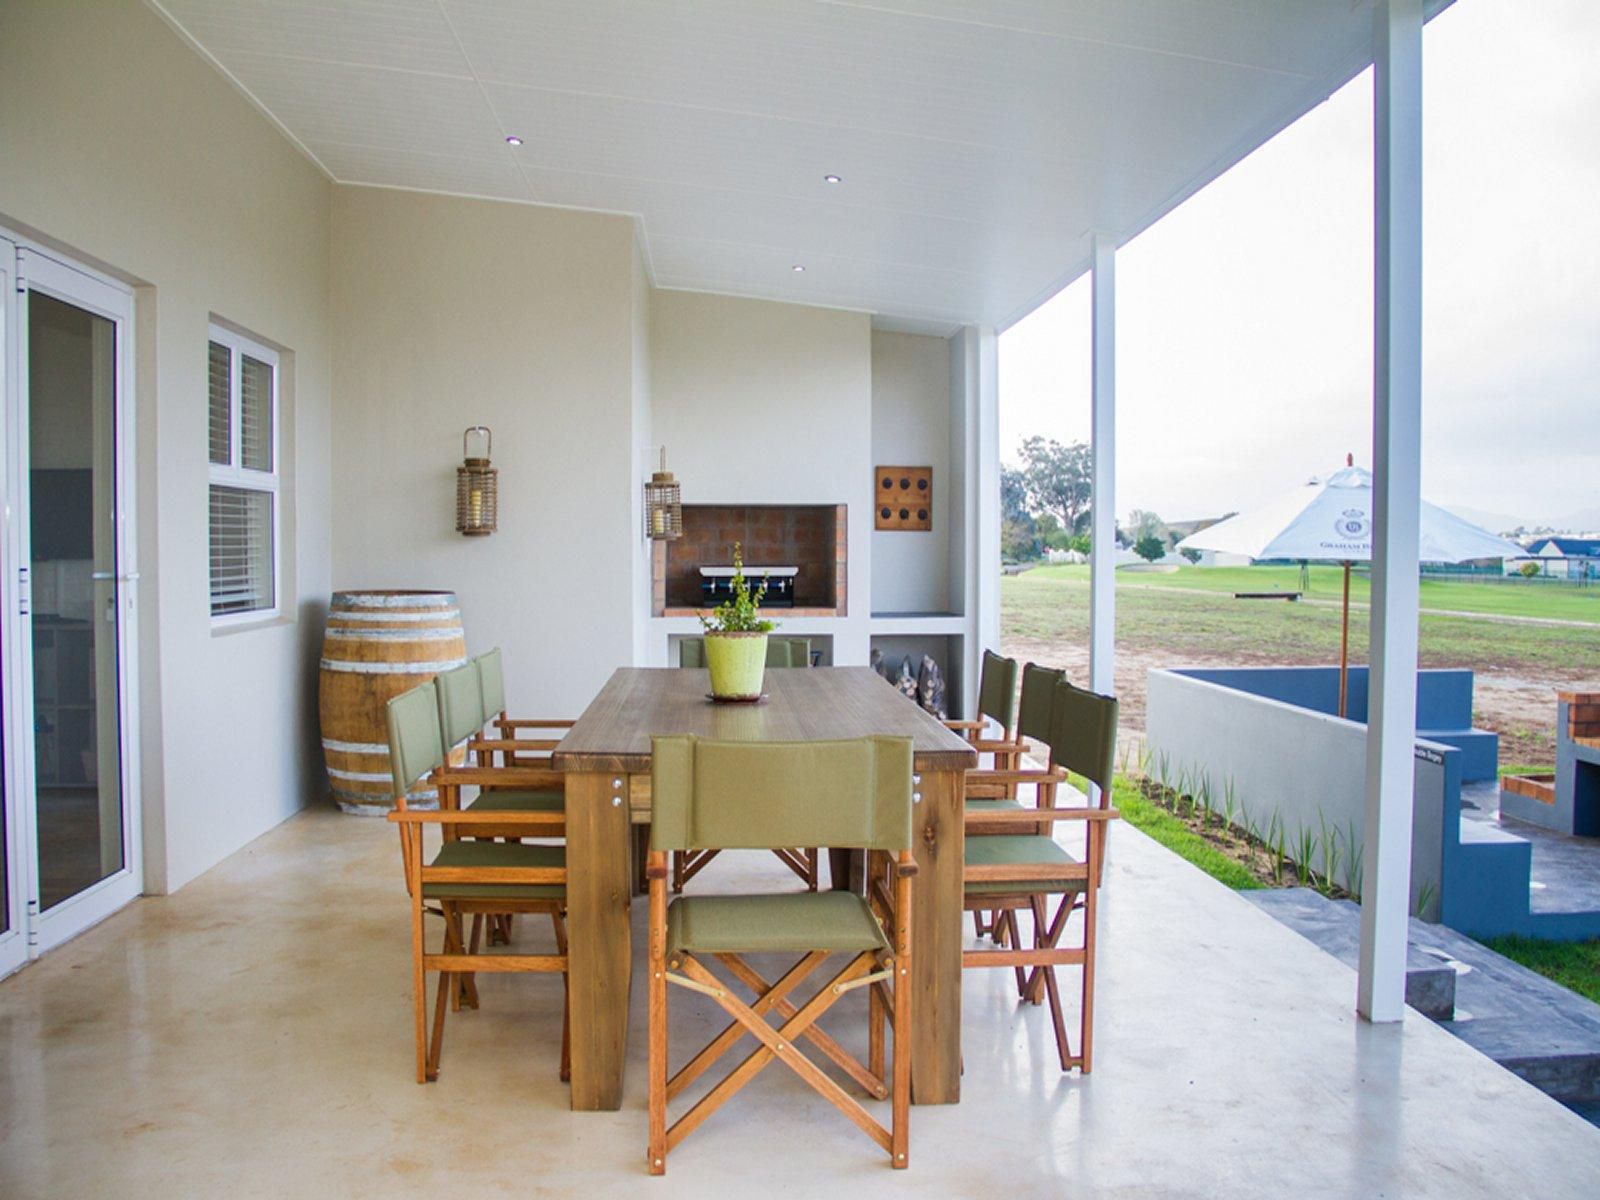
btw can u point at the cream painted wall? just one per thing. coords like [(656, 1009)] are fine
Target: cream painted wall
[(121, 145), (911, 428), (766, 403), (450, 312), (645, 460)]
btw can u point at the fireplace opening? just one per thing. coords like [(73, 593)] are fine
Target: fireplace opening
[(805, 545)]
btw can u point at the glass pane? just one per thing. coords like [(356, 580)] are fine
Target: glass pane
[(218, 386), (71, 483), (241, 550), (255, 414)]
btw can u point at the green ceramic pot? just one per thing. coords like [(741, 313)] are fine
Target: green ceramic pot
[(737, 662)]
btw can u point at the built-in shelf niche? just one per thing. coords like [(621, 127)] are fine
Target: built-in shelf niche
[(812, 537)]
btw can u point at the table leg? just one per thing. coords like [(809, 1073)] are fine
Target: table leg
[(599, 949), (940, 848)]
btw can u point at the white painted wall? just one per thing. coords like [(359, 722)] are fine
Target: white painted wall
[(645, 459), (911, 428), (766, 403), (451, 312), (118, 143)]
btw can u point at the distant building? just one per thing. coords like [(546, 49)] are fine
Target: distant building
[(1562, 557), (1208, 558)]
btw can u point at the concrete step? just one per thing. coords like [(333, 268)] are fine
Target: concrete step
[(1537, 1029), (1335, 926)]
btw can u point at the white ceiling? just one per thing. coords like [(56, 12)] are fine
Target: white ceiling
[(979, 142)]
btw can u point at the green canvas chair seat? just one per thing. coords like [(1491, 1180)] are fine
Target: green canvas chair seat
[(517, 800), (1010, 850), (497, 854), (831, 921)]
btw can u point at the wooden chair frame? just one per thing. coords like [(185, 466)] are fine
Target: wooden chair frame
[(1046, 954), (886, 974), (802, 860), (459, 961)]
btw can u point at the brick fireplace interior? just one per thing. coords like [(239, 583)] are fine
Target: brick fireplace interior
[(811, 537)]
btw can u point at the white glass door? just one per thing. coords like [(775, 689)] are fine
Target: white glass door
[(14, 893), (70, 583)]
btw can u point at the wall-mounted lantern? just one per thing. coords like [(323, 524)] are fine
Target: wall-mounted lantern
[(663, 505), (477, 487)]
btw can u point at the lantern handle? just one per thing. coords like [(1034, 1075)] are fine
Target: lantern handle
[(488, 440)]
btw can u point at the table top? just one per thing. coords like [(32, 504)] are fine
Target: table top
[(802, 704)]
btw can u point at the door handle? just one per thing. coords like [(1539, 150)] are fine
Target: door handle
[(103, 575)]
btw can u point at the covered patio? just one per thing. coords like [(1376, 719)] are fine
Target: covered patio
[(246, 1036), (778, 241)]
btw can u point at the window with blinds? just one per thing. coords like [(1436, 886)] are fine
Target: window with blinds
[(243, 410)]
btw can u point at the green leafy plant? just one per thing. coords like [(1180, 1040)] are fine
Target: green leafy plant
[(1424, 899), (1276, 835), (740, 612), (1355, 863), (1304, 846)]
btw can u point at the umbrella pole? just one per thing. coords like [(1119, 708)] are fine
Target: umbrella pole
[(1344, 644)]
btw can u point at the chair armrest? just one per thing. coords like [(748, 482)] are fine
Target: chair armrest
[(499, 777), (991, 746), (513, 745), (965, 724), (1049, 775), (514, 723), (528, 820), (1026, 817)]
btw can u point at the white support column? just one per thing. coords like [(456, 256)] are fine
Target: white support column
[(986, 480), (1396, 486), (1102, 442)]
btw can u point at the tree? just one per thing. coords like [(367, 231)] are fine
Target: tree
[(1018, 542), (1149, 547), (1013, 495), (1190, 553), (1057, 481), (1142, 522)]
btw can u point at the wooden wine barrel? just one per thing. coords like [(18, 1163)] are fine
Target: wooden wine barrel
[(379, 644)]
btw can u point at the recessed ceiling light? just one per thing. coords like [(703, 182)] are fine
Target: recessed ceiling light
[(798, 267), (831, 179), (513, 140)]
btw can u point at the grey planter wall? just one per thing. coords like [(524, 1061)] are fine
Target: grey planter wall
[(1307, 766)]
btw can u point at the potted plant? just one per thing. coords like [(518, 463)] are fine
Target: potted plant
[(736, 638)]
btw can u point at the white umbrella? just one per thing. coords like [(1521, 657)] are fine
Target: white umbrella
[(1330, 520)]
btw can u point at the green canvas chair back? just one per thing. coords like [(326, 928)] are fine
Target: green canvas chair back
[(415, 747), (1038, 701), (460, 692), (491, 682), (997, 690), (708, 795), (1084, 737), (788, 652), (781, 652)]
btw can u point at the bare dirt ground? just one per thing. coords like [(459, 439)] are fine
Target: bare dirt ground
[(1519, 706)]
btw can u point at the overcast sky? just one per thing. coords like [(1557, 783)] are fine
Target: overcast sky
[(1244, 318)]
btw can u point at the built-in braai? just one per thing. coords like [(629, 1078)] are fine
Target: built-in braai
[(802, 549)]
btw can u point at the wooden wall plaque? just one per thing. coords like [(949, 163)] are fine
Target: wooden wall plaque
[(904, 498)]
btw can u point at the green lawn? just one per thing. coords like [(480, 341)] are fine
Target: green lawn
[(1177, 837), (1513, 599), (1051, 604), (1574, 965)]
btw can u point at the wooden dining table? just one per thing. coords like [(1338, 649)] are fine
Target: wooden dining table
[(606, 759)]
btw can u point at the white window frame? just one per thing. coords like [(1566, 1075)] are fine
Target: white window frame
[(234, 475)]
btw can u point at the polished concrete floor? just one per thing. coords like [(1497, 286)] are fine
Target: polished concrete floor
[(250, 1036)]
